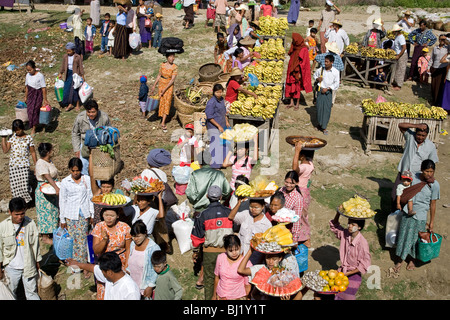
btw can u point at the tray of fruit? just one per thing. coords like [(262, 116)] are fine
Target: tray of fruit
[(47, 188), (276, 282), (111, 200), (311, 143), (147, 187), (357, 208), (274, 240), (326, 281)]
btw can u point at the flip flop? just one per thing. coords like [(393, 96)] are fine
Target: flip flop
[(199, 286), (325, 132)]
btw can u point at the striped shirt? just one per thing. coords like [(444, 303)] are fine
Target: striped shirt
[(238, 168), (74, 199), (338, 64), (294, 201)]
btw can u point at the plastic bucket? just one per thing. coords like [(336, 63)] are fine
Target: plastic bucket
[(429, 251), (21, 113)]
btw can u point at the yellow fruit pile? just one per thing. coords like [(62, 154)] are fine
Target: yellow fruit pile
[(114, 199), (267, 71), (271, 49), (264, 106), (244, 190), (357, 207), (278, 233), (402, 110), (390, 35), (337, 281), (240, 132), (370, 52), (271, 26)]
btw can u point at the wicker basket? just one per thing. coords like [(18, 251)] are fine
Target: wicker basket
[(183, 107), (185, 118), (439, 25), (207, 87), (224, 76), (446, 27), (209, 72), (105, 167)]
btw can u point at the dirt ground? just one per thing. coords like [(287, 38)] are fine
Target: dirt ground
[(341, 165)]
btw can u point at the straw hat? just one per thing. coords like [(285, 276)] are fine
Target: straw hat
[(397, 28), (407, 13), (242, 7), (247, 41), (337, 21), (236, 72), (377, 21), (158, 15), (332, 47)]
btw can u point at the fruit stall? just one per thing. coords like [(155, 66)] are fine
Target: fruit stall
[(362, 63), (381, 120)]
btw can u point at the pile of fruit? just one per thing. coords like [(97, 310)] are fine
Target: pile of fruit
[(402, 110), (145, 185), (274, 238), (326, 281), (267, 71), (240, 132), (357, 207), (277, 281), (264, 106), (272, 49), (371, 52), (112, 199), (390, 35), (271, 26), (245, 190)]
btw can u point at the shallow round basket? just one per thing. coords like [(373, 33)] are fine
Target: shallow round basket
[(183, 107), (339, 209), (104, 205), (292, 140), (185, 118), (207, 87), (47, 188), (224, 76), (148, 193), (209, 72)]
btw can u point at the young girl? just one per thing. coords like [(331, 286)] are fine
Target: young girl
[(354, 254), (311, 43), (76, 208), (241, 163), (21, 146), (111, 29), (210, 13), (143, 95), (303, 165), (268, 9), (189, 145), (35, 94), (89, 34), (165, 80), (228, 283), (294, 201), (219, 50), (422, 64)]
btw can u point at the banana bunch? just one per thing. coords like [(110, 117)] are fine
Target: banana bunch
[(264, 106), (244, 190), (240, 132), (402, 110), (352, 48), (272, 49), (371, 52), (390, 35), (114, 199), (267, 71), (278, 233), (271, 26)]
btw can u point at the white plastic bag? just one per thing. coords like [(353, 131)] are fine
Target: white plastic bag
[(181, 175), (85, 92), (77, 81), (182, 210), (5, 292), (182, 230), (135, 40)]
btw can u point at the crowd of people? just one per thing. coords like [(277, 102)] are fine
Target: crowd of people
[(131, 243)]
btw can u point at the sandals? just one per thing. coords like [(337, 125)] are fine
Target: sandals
[(199, 286), (164, 128), (392, 273)]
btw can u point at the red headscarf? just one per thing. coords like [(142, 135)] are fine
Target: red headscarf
[(298, 43)]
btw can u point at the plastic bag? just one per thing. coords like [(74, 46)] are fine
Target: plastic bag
[(62, 244), (260, 182), (380, 99), (135, 40), (59, 89), (85, 92), (254, 82), (77, 80), (182, 230), (181, 175)]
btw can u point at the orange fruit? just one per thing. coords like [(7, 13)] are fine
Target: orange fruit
[(326, 289), (335, 288), (322, 273), (340, 275), (332, 273), (327, 278), (331, 282), (342, 288), (338, 282)]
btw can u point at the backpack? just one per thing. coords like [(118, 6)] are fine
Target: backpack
[(101, 136)]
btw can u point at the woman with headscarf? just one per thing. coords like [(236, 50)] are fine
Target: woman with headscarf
[(234, 35), (72, 63), (156, 159), (298, 75)]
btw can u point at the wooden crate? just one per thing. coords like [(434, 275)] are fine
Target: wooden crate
[(384, 131)]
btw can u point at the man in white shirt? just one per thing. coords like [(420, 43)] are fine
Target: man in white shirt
[(328, 81), (336, 34), (145, 212), (118, 284)]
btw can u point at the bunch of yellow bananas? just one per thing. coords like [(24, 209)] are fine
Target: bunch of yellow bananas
[(402, 110), (271, 49), (390, 35), (271, 26), (245, 190), (114, 199), (278, 233), (265, 106), (352, 48), (267, 71), (240, 132)]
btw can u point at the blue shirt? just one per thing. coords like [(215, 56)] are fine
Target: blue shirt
[(421, 201), (215, 109), (121, 18), (413, 155), (422, 37)]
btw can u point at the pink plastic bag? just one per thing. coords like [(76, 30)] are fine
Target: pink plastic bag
[(380, 99)]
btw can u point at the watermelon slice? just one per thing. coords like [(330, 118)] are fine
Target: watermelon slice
[(262, 285)]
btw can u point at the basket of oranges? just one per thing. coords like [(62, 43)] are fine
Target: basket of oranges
[(337, 281)]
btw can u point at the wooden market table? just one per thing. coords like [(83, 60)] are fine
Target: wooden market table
[(362, 76), (383, 131)]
